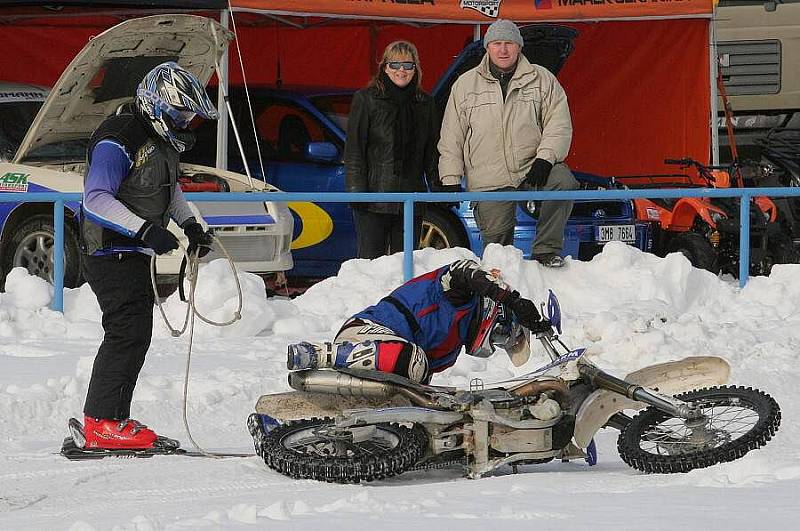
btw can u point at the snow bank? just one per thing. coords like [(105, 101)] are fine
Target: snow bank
[(629, 308)]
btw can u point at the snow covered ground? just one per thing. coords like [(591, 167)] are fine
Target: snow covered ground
[(631, 309)]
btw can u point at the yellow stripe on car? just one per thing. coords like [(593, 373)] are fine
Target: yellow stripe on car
[(317, 224)]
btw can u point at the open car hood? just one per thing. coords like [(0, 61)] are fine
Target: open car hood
[(106, 72), (548, 45)]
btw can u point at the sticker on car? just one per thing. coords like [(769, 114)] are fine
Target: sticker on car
[(14, 182)]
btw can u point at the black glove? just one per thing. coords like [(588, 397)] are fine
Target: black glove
[(199, 239), (539, 172), (527, 314), (157, 238), (437, 186), (543, 325)]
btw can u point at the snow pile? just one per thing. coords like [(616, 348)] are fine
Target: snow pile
[(629, 308)]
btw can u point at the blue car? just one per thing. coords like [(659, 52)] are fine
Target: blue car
[(301, 135)]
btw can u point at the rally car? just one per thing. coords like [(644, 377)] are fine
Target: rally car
[(301, 135), (51, 156)]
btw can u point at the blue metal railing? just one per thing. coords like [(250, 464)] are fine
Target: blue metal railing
[(408, 200)]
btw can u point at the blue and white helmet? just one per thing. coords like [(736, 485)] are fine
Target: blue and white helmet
[(171, 97)]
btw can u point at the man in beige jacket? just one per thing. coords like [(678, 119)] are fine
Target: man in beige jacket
[(507, 127)]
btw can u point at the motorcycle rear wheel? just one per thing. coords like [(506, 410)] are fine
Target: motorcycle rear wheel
[(737, 420), (316, 449)]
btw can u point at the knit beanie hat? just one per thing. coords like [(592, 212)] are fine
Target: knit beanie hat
[(503, 30)]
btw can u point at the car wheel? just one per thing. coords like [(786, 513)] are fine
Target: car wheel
[(31, 247), (697, 249), (441, 230)]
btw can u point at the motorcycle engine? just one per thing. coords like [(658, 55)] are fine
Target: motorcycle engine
[(545, 408)]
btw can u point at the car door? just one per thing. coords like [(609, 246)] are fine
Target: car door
[(289, 130)]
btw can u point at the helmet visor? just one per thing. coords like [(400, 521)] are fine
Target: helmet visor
[(519, 347), (183, 118), (512, 337)]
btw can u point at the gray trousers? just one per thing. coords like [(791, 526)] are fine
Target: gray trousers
[(496, 219)]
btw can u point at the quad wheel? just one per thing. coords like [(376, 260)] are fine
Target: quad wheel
[(697, 249), (317, 449), (735, 420)]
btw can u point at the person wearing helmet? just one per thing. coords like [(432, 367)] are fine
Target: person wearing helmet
[(422, 326), (130, 194)]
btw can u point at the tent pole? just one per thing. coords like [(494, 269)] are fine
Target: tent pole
[(222, 89), (713, 64), (476, 32)]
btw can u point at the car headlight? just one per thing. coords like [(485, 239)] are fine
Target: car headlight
[(716, 217)]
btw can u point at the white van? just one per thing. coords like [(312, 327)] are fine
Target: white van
[(759, 49)]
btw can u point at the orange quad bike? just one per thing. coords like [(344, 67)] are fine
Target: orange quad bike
[(706, 230)]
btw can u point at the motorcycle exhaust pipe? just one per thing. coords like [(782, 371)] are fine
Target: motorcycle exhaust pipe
[(539, 386), (337, 383)]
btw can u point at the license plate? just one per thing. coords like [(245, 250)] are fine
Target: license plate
[(623, 233)]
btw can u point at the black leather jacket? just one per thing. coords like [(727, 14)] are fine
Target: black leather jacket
[(369, 150)]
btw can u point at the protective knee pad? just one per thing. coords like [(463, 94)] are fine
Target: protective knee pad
[(398, 357)]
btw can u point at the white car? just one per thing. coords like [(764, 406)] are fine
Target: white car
[(52, 154)]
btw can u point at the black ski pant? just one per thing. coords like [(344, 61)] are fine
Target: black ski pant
[(122, 285), (379, 234)]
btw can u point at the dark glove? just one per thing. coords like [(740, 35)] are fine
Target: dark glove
[(199, 239), (539, 172), (543, 325), (528, 315), (437, 186), (157, 238)]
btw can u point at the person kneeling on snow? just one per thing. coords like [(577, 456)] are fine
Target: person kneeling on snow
[(131, 192), (420, 328)]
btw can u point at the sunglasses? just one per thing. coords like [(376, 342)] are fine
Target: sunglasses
[(405, 65)]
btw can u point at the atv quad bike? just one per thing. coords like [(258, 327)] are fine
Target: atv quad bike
[(706, 230)]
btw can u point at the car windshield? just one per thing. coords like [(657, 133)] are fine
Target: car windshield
[(65, 151), (15, 119), (336, 107)]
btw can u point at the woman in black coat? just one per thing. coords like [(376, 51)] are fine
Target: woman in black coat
[(392, 132)]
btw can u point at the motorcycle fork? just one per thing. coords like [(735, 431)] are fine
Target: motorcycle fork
[(670, 405)]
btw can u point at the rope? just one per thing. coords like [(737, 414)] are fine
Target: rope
[(193, 263)]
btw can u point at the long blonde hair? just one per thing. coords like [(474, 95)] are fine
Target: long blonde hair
[(395, 49)]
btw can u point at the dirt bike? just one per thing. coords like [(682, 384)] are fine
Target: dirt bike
[(348, 426)]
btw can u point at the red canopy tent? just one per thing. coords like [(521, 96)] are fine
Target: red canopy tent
[(639, 80)]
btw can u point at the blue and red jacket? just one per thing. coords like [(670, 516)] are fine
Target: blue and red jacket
[(437, 311)]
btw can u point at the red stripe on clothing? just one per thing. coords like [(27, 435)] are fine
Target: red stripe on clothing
[(425, 311), (426, 276), (388, 353), (452, 340)]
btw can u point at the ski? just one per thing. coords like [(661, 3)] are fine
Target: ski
[(163, 446), (73, 448)]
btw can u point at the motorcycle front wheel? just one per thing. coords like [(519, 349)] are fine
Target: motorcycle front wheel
[(734, 421), (317, 449)]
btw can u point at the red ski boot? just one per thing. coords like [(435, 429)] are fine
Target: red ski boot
[(120, 438), (117, 434)]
